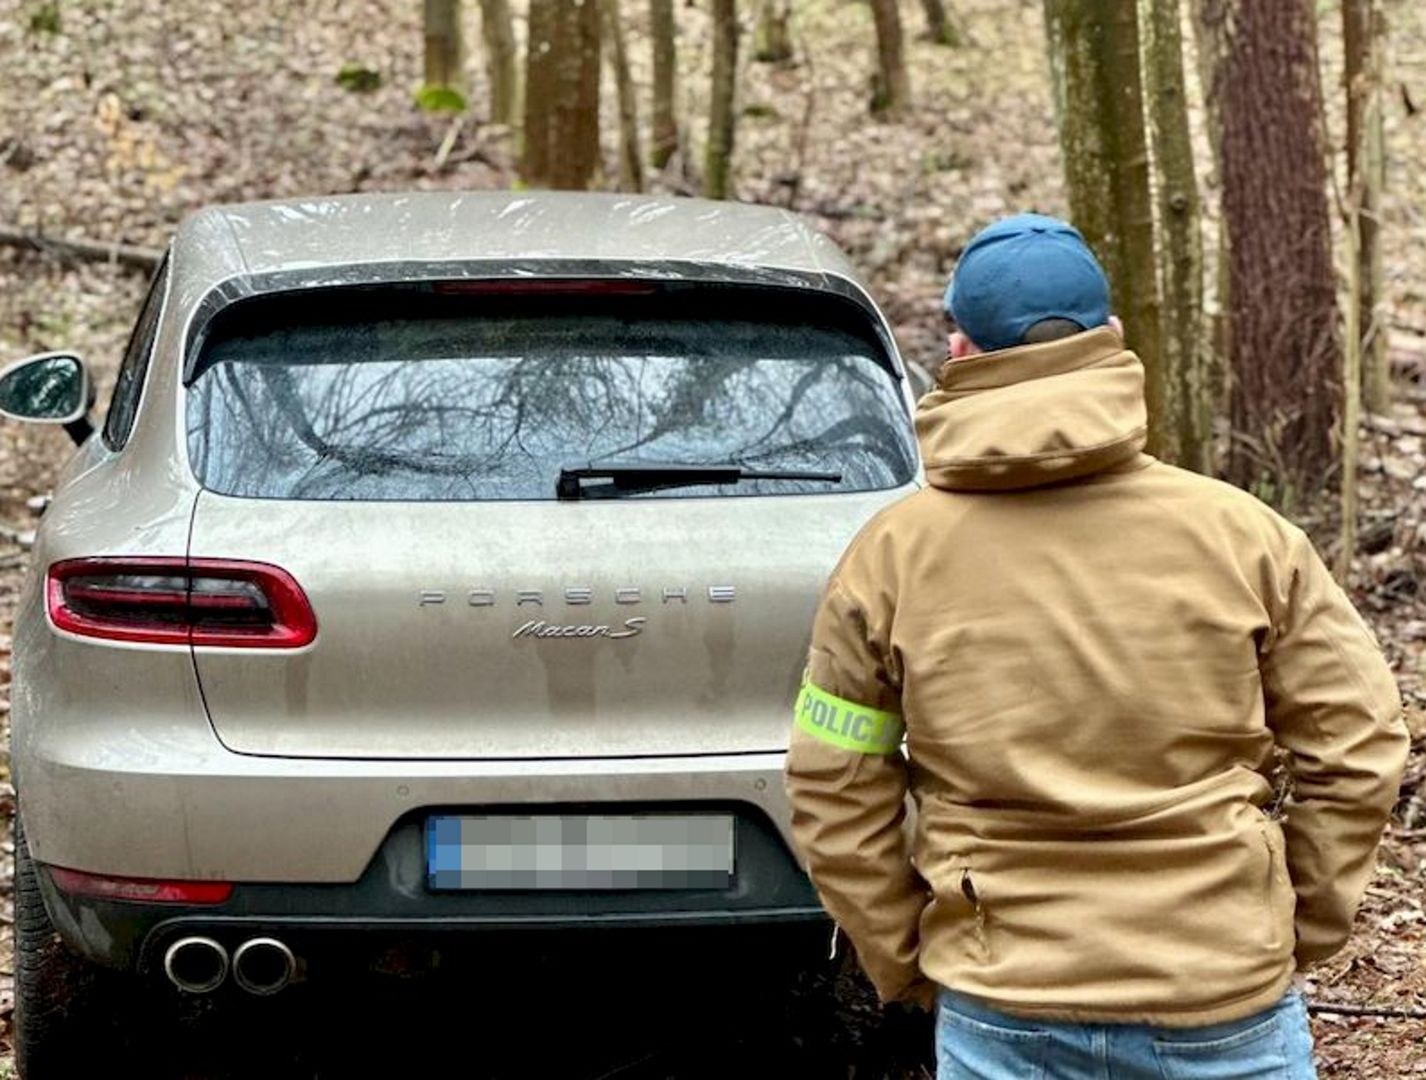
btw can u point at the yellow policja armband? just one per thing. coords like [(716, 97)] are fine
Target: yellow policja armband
[(846, 724)]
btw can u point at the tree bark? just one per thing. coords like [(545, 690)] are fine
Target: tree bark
[(1351, 384), (891, 87), (940, 27), (1378, 390), (497, 31), (1094, 56), (1363, 38), (631, 164), (772, 42), (576, 133), (664, 136), (1215, 356), (539, 91), (1185, 432), (718, 156), (1285, 358), (1356, 47), (443, 44), (562, 94)]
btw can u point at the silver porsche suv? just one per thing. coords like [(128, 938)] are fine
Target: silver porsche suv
[(444, 562)]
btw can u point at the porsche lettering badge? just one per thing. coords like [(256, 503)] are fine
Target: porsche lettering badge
[(575, 596)]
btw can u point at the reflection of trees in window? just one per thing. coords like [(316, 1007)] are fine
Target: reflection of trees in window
[(400, 411)]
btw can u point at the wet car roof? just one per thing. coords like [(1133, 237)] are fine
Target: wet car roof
[(452, 226)]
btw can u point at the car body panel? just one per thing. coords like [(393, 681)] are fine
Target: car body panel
[(419, 607), (180, 805), (332, 231), (83, 691)]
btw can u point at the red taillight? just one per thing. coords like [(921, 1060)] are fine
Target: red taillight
[(78, 883), (175, 601)]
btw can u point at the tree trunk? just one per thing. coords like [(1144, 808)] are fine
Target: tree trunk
[(664, 137), (1363, 46), (1377, 387), (772, 42), (940, 28), (1215, 356), (1351, 382), (718, 157), (499, 35), (1284, 355), (576, 135), (562, 94), (443, 44), (631, 165), (539, 91), (1185, 423), (891, 87), (1094, 56)]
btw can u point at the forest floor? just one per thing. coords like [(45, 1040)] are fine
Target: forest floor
[(119, 117)]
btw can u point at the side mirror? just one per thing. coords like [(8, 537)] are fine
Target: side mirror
[(51, 388)]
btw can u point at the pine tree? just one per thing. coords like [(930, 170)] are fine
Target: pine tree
[(1284, 356)]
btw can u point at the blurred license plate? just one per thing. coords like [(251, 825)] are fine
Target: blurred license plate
[(584, 851)]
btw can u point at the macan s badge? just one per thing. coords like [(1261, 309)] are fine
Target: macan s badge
[(539, 628), (578, 596)]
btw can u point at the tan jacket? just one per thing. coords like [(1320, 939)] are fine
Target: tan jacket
[(1093, 655)]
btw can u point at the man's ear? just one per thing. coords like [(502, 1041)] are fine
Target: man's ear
[(962, 346), (1118, 324)]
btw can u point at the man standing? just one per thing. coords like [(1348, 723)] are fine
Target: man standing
[(1092, 657)]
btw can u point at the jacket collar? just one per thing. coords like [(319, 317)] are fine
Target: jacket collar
[(1033, 415)]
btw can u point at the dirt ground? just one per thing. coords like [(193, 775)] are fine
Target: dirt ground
[(119, 116)]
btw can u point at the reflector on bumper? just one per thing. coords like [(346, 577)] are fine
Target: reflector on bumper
[(142, 890)]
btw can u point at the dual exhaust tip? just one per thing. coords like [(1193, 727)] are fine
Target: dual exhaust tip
[(199, 965)]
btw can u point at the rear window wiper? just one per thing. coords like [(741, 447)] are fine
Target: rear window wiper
[(655, 476)]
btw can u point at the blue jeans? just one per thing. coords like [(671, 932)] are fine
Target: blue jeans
[(974, 1042)]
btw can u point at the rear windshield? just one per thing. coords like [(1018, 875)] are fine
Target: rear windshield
[(484, 392)]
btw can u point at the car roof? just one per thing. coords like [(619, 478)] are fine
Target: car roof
[(454, 226)]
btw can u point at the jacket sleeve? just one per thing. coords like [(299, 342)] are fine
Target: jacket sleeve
[(847, 782), (1334, 707)]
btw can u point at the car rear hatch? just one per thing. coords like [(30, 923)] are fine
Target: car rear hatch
[(399, 451)]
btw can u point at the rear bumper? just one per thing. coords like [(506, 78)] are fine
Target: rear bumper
[(175, 804), (319, 847), (391, 903)]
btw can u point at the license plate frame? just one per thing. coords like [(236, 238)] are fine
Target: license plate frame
[(580, 852)]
